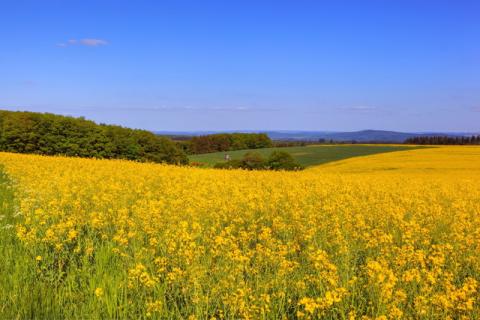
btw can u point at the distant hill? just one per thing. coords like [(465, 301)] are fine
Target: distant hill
[(358, 136)]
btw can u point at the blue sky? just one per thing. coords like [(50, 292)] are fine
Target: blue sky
[(240, 64)]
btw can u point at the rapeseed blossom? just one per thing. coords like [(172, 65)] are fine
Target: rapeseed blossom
[(388, 236)]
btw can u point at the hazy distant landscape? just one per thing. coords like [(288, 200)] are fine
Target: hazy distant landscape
[(359, 136)]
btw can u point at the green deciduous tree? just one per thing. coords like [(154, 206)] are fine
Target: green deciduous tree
[(49, 134)]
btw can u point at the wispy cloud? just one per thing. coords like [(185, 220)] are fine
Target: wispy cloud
[(28, 83), (84, 42), (359, 108), (81, 110), (475, 109), (198, 108)]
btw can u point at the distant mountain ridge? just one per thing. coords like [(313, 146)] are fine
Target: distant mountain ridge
[(358, 136)]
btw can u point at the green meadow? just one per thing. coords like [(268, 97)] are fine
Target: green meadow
[(306, 156)]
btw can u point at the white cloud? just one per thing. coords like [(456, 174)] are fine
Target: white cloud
[(363, 108), (88, 42), (359, 108), (93, 42)]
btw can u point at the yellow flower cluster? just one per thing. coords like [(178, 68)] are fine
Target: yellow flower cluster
[(388, 236)]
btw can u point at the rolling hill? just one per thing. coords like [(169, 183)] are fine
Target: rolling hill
[(359, 136)]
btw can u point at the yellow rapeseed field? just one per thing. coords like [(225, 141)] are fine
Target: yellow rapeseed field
[(389, 236)]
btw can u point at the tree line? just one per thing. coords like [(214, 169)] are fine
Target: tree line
[(49, 134), (225, 142), (277, 160), (444, 140)]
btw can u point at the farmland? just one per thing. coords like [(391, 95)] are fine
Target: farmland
[(385, 236), (306, 156)]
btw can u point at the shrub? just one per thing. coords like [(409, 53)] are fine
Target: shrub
[(278, 160), (253, 161), (281, 160)]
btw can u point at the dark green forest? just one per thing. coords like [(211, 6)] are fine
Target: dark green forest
[(49, 134), (225, 142), (444, 140)]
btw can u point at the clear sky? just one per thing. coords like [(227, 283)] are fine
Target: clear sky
[(240, 64)]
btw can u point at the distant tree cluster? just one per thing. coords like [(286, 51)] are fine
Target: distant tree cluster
[(278, 160), (291, 143), (444, 140), (225, 142), (49, 134)]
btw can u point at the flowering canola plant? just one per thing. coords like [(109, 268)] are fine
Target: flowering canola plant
[(388, 236)]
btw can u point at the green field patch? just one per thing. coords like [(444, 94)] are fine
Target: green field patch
[(307, 156)]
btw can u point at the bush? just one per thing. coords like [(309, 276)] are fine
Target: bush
[(278, 160), (253, 161), (281, 160)]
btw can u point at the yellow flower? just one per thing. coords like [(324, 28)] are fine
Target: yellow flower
[(72, 234), (99, 292), (394, 234), (89, 251), (155, 306)]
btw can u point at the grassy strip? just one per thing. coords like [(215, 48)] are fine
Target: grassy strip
[(306, 156)]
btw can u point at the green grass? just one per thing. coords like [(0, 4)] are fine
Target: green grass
[(307, 156), (20, 297), (40, 290)]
